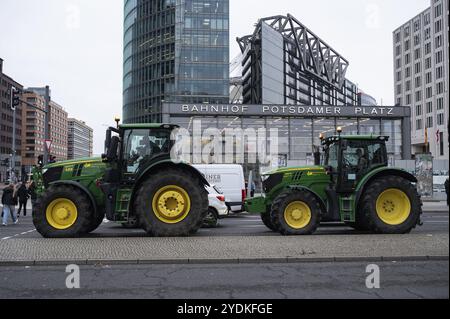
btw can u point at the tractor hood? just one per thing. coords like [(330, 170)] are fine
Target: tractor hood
[(284, 170), (87, 160)]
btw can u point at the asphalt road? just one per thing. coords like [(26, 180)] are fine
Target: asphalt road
[(237, 225), (416, 280)]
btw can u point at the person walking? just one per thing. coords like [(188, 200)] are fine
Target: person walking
[(9, 202), (32, 193), (23, 195)]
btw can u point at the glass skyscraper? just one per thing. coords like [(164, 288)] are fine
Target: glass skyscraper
[(174, 51)]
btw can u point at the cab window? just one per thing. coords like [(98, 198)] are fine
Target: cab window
[(142, 146)]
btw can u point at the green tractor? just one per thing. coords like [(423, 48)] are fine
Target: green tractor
[(354, 186), (135, 183)]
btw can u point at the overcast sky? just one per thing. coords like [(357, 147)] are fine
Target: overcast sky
[(75, 46)]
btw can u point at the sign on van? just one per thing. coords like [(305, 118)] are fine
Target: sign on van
[(213, 178)]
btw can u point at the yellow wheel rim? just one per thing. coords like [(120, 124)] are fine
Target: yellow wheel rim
[(298, 215), (393, 207), (62, 213), (171, 204)]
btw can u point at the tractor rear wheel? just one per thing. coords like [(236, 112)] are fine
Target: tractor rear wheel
[(98, 220), (63, 212), (267, 220), (391, 205), (296, 212), (172, 202)]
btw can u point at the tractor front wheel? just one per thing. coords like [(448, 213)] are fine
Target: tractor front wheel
[(63, 212), (267, 221), (170, 203), (296, 212), (391, 205)]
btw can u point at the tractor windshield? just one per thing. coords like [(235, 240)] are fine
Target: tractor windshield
[(143, 145), (332, 156)]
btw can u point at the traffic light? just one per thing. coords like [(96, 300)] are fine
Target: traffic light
[(41, 160), (15, 98)]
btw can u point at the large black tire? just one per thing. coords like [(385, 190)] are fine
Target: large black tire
[(186, 181), (85, 214), (282, 202), (372, 194), (267, 221), (98, 220)]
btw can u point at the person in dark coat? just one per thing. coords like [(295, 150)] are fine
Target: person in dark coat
[(9, 202), (23, 195), (32, 193), (447, 186)]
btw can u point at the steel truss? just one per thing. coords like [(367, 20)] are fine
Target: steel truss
[(316, 56)]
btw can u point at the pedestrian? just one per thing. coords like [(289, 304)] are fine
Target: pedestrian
[(252, 189), (447, 186), (9, 202), (23, 195), (32, 193)]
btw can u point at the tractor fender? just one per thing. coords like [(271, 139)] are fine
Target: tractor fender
[(80, 187), (323, 207), (162, 165), (380, 173)]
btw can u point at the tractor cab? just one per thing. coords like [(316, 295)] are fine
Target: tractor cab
[(135, 147), (348, 159)]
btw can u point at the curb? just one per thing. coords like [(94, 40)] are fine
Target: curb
[(237, 261)]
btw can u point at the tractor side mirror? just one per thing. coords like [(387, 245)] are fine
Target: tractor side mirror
[(112, 149), (108, 139)]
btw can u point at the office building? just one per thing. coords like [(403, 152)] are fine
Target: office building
[(282, 66), (58, 125), (33, 129), (174, 51), (80, 142), (6, 127), (421, 65)]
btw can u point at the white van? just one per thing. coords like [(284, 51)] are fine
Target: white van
[(230, 180)]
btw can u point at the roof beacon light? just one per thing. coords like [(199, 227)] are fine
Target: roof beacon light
[(339, 130)]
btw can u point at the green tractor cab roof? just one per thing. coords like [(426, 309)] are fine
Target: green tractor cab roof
[(148, 126), (334, 139)]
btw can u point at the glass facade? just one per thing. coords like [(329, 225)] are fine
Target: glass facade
[(298, 136), (174, 51)]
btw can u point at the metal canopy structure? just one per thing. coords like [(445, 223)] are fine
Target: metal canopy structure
[(316, 57)]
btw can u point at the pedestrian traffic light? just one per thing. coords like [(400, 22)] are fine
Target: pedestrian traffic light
[(41, 160), (15, 98)]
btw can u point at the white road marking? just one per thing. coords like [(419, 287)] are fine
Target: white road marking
[(17, 235)]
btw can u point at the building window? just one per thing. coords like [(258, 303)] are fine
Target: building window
[(418, 110), (419, 125), (429, 107), (439, 88), (429, 92), (429, 122), (440, 119), (440, 103)]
